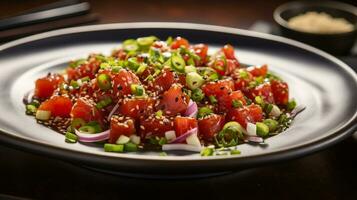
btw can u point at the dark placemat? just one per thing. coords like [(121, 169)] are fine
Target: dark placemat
[(267, 27)]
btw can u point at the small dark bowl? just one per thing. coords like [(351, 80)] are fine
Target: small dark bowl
[(334, 43)]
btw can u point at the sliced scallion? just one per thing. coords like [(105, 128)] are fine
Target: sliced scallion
[(213, 99), (103, 103), (207, 151), (71, 138), (178, 63), (77, 123), (197, 95), (194, 80), (272, 124), (145, 42), (30, 109), (87, 129), (291, 105), (114, 148), (130, 45), (137, 90), (130, 147), (104, 82), (133, 63), (204, 111), (262, 129)]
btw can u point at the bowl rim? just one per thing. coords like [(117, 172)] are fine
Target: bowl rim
[(344, 7), (83, 158)]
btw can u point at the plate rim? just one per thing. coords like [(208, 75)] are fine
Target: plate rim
[(47, 149)]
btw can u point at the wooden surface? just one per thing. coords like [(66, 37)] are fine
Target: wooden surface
[(329, 174)]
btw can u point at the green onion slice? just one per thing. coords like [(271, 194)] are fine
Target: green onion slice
[(104, 82)]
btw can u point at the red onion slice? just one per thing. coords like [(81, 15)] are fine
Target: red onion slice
[(92, 137), (27, 97), (297, 110), (115, 108), (183, 137), (192, 109), (183, 147)]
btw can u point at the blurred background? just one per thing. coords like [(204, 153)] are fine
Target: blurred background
[(239, 13)]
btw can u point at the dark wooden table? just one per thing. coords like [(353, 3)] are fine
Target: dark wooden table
[(329, 174)]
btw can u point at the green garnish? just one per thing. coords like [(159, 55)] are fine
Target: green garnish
[(178, 63), (77, 63), (194, 80), (130, 45), (212, 99), (262, 129), (77, 123), (268, 108), (141, 68), (162, 141), (137, 90), (95, 125), (145, 42), (155, 57), (162, 154), (229, 135), (190, 68), (159, 113), (74, 84), (207, 151), (119, 148), (103, 103), (85, 79), (237, 103), (169, 40), (87, 129), (104, 82), (291, 105), (243, 74), (133, 63), (130, 147), (71, 138), (272, 124), (30, 109), (197, 95), (235, 152), (259, 100), (204, 111)]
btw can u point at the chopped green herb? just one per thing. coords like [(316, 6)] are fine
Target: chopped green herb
[(178, 63), (31, 109), (103, 103), (133, 64), (162, 154), (130, 45), (204, 111), (291, 105), (137, 90), (235, 152), (262, 129), (194, 80), (197, 95), (213, 99), (130, 147), (119, 148), (237, 103), (71, 138), (207, 151), (272, 124), (104, 82), (159, 113)]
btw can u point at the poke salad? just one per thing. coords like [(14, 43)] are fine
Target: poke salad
[(154, 95)]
